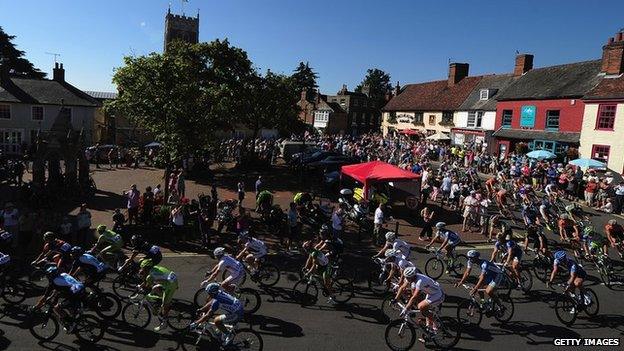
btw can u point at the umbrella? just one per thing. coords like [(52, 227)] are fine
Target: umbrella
[(587, 163), (438, 136), (541, 155)]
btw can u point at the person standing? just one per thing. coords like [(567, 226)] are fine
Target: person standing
[(293, 226), (181, 184), (259, 186), (427, 232), (619, 198), (148, 205), (83, 224), (241, 192), (177, 220), (378, 220), (133, 196), (337, 222), (96, 155), (10, 222)]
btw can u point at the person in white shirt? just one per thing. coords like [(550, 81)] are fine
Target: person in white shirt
[(378, 220), (227, 263), (420, 283), (10, 217), (336, 220)]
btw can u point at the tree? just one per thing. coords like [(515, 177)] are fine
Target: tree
[(304, 78), (14, 59), (379, 85)]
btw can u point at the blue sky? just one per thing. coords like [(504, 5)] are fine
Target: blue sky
[(412, 40)]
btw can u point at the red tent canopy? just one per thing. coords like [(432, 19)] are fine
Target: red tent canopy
[(377, 171)]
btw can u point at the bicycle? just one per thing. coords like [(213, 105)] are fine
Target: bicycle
[(249, 298), (437, 265), (105, 305), (126, 281), (404, 330), (605, 267), (267, 275), (306, 290), (509, 281), (138, 313), (208, 337), (11, 289), (568, 305), (45, 325), (378, 276), (502, 308)]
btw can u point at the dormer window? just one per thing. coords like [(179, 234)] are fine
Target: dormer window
[(484, 94)]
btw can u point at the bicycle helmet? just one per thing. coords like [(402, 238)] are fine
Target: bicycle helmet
[(213, 289), (52, 272), (473, 254), (570, 207), (440, 225), (244, 235), (560, 255), (612, 222), (77, 250), (589, 230), (219, 252), (148, 263), (410, 272), (391, 253), (324, 230), (101, 228), (49, 236), (390, 236)]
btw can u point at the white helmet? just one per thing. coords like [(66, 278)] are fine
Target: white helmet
[(410, 272), (346, 192), (391, 253), (219, 252), (390, 236), (473, 254), (440, 225)]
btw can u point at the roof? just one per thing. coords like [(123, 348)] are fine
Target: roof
[(377, 171), (433, 96), (564, 81), (523, 134), (496, 84), (103, 95), (43, 91), (608, 88), (335, 107)]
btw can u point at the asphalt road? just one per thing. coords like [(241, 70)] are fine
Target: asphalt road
[(359, 325)]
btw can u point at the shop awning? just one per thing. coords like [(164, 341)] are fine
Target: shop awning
[(524, 134)]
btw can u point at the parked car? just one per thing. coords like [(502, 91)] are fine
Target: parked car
[(318, 156)]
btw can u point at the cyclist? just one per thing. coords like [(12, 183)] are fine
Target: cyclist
[(592, 242), (55, 250), (536, 235), (449, 238), (490, 276), (511, 253), (219, 299), (398, 263), (332, 246), (615, 235), (111, 241), (161, 283), (94, 269), (395, 244), (253, 251), (529, 215), (577, 273), (545, 211), (235, 270), (568, 229), (140, 246), (421, 283), (62, 285), (318, 263), (302, 198)]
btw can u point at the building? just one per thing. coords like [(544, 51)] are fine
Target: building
[(476, 118), (603, 118), (29, 106), (114, 129), (180, 27), (330, 118), (429, 107), (543, 109)]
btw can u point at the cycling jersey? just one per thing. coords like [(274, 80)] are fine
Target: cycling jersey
[(572, 266), (151, 252), (403, 263), (256, 246), (161, 275), (5, 236), (112, 238), (231, 265), (226, 302), (4, 259), (58, 246), (487, 267), (89, 264), (453, 238), (320, 258), (402, 246), (426, 285), (66, 285), (516, 251)]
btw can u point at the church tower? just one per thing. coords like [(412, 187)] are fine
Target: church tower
[(181, 27)]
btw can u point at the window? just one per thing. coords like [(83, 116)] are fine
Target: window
[(431, 119), (447, 116), (418, 117), (507, 117), (343, 101), (552, 120), (601, 153), (474, 119), (33, 135), (37, 113), (5, 111), (606, 117), (484, 94)]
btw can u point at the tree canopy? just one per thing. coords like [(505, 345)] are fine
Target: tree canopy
[(304, 78), (14, 59), (379, 85)]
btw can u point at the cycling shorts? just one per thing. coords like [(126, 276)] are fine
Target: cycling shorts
[(493, 279), (234, 279), (435, 299)]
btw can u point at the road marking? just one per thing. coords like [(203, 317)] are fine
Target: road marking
[(183, 254)]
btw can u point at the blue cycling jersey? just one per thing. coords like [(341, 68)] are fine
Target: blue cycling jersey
[(570, 264), (89, 263), (226, 302), (67, 284), (450, 235)]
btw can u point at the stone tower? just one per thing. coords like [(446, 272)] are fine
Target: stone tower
[(181, 27)]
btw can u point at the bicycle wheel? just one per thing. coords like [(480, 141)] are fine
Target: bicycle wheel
[(541, 269), (526, 281), (503, 308), (390, 311), (269, 274), (13, 292), (469, 313), (200, 297), (246, 339), (590, 302), (107, 305), (400, 335), (124, 286), (343, 289), (180, 316), (434, 267), (376, 282), (566, 309), (250, 299), (44, 327), (448, 333), (89, 329), (459, 264), (136, 315), (506, 284), (605, 275)]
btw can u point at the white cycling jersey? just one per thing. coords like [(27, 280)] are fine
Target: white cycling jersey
[(256, 246), (426, 285), (231, 265), (402, 246)]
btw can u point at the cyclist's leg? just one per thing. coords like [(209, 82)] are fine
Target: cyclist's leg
[(168, 297)]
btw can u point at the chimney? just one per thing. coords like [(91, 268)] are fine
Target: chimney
[(318, 96), (613, 55), (457, 72), (58, 73), (343, 91), (397, 89), (524, 63)]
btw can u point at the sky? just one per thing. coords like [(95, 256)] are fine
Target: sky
[(412, 40)]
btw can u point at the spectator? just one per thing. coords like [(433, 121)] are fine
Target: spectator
[(607, 207), (259, 186), (173, 199), (118, 221), (470, 206), (10, 222), (177, 220), (83, 224), (148, 205), (133, 196), (181, 185), (427, 231), (241, 192), (213, 193), (337, 222), (96, 155), (619, 198), (293, 226), (590, 191), (378, 221)]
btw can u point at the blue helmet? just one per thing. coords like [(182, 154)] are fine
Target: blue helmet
[(213, 289), (560, 255)]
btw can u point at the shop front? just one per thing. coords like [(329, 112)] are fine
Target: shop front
[(507, 140), (478, 139)]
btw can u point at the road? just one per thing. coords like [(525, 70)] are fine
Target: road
[(359, 325)]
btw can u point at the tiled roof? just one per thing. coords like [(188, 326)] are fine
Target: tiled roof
[(324, 105), (496, 84), (432, 96), (608, 88), (104, 95), (528, 134), (564, 81), (43, 91)]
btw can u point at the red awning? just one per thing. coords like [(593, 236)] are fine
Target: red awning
[(377, 171), (408, 132)]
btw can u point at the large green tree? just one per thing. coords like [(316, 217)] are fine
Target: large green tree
[(14, 59), (379, 85), (304, 78)]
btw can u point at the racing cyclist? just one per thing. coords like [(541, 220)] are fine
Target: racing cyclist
[(220, 300), (490, 276), (94, 269), (398, 264), (450, 240), (227, 263), (615, 235), (395, 244), (110, 241), (418, 283), (161, 283), (319, 263), (62, 285), (577, 273), (140, 246), (55, 250), (253, 251), (537, 237), (511, 252)]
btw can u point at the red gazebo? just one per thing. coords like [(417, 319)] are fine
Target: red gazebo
[(377, 172)]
